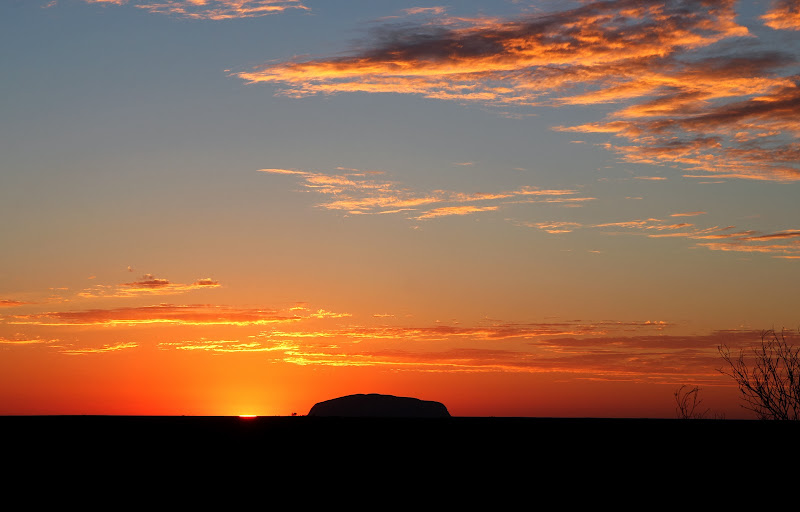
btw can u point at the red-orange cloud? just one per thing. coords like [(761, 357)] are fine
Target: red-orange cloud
[(105, 349), (632, 356), (729, 114), (513, 61), (783, 15), (148, 284), (10, 303), (195, 314), (23, 340)]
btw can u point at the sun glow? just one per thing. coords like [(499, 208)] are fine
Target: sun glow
[(247, 416)]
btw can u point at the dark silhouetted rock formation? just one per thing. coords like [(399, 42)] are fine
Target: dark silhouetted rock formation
[(379, 406)]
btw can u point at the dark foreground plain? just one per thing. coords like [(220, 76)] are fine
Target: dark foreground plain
[(380, 463), (556, 441), (327, 460)]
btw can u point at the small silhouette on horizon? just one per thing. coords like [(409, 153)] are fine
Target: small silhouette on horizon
[(374, 405)]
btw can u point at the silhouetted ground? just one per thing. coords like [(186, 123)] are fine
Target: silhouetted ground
[(448, 462), (445, 439), (330, 460)]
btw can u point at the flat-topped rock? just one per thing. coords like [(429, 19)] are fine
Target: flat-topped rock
[(374, 405)]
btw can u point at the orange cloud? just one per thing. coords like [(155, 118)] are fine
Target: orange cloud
[(555, 227), (687, 214), (147, 285), (498, 331), (738, 241), (9, 303), (528, 347), (22, 340), (532, 348), (150, 283), (783, 15), (210, 9), (752, 138), (794, 233), (632, 351), (512, 61), (456, 210), (789, 251), (730, 115), (357, 192), (196, 314), (226, 346), (105, 349)]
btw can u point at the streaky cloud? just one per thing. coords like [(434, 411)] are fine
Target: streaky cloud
[(589, 349), (24, 340), (11, 303), (210, 9), (359, 193), (682, 100), (148, 284), (105, 349), (717, 238), (169, 314)]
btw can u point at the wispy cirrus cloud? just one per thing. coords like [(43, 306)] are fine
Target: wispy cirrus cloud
[(554, 227), (69, 348), (225, 346), (455, 210), (210, 9), (524, 347), (21, 340), (425, 10), (359, 192), (104, 349), (148, 284), (589, 349), (718, 238), (171, 314), (494, 331), (687, 214), (731, 240), (683, 100), (11, 303)]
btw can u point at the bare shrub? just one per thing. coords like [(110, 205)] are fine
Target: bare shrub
[(768, 376), (687, 403)]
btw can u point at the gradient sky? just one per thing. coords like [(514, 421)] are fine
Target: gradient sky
[(517, 208)]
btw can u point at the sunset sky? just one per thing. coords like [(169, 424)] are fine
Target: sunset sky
[(516, 208)]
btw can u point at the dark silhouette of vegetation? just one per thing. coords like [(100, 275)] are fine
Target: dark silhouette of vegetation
[(687, 403), (768, 376)]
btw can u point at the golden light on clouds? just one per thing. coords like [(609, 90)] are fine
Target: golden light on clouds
[(196, 314), (783, 15), (357, 192), (730, 115), (226, 206), (736, 240)]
